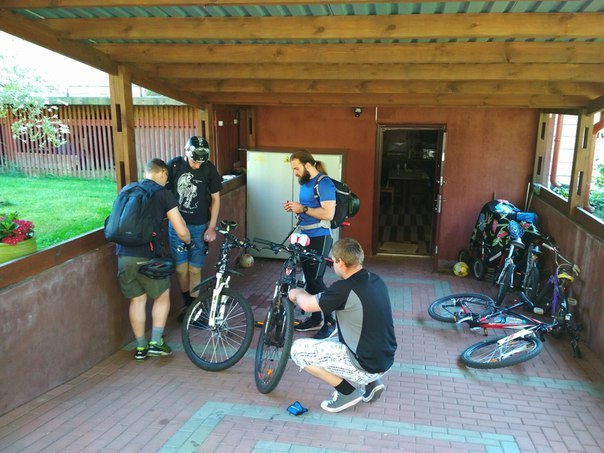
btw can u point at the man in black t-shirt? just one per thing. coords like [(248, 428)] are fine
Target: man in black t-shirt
[(196, 184), (137, 286), (363, 350)]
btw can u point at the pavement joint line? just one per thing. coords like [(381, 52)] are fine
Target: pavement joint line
[(210, 414), (263, 446), (595, 389)]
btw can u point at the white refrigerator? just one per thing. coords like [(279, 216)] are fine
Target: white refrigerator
[(271, 182)]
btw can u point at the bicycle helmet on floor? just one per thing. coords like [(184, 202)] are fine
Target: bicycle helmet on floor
[(158, 268)]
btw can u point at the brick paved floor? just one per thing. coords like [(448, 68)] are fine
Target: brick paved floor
[(432, 402)]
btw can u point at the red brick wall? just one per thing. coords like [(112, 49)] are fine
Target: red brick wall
[(488, 151)]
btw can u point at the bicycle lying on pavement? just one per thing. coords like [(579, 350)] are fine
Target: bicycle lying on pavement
[(480, 312), (276, 338), (218, 326)]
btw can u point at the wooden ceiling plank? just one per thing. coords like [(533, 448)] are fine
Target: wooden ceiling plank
[(416, 26), (36, 33), (398, 71), (30, 4), (476, 52)]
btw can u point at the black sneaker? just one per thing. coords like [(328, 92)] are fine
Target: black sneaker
[(159, 349), (309, 324), (325, 332), (373, 391), (339, 401), (140, 353)]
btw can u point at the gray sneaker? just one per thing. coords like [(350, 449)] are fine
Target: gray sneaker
[(339, 402), (373, 391)]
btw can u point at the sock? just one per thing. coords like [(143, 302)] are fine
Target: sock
[(156, 334), (344, 387), (187, 298), (141, 342)]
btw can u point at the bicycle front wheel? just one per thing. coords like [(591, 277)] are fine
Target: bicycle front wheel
[(223, 345), (456, 306), (274, 345), (490, 354)]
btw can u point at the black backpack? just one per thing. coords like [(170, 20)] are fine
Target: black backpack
[(131, 221), (347, 203)]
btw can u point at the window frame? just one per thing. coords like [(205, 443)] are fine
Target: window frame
[(582, 160)]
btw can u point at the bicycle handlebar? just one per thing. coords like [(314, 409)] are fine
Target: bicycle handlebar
[(293, 250), (576, 269)]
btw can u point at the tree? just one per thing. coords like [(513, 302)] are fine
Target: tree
[(22, 94)]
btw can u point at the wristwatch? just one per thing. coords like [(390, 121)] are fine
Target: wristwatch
[(305, 209)]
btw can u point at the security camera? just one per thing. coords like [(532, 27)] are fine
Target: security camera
[(357, 111)]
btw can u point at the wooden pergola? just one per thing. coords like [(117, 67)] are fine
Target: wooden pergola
[(545, 55)]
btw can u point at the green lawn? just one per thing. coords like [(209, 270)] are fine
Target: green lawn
[(60, 208)]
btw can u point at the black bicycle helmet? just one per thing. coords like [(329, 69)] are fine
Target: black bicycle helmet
[(158, 268), (198, 149)]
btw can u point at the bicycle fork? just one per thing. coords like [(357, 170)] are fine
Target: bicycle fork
[(213, 317)]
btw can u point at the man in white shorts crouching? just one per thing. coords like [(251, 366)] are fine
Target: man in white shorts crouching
[(362, 349)]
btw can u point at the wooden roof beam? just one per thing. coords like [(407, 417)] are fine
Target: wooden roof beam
[(415, 100), (458, 52), (502, 87), (397, 71)]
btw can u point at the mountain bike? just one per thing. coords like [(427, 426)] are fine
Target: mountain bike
[(276, 337), (218, 326), (505, 275), (520, 346), (554, 297)]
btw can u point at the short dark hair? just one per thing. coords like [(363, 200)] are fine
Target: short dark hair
[(349, 251), (155, 166)]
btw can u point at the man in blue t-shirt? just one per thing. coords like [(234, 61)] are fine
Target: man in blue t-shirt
[(363, 350), (315, 217)]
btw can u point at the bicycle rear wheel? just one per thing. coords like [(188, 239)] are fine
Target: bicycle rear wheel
[(449, 308), (274, 345), (531, 288), (505, 285), (490, 354), (222, 346)]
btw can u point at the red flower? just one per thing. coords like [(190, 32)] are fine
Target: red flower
[(14, 230)]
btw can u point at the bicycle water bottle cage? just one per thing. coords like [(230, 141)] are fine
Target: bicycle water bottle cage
[(299, 238)]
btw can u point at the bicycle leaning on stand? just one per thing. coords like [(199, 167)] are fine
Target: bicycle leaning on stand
[(276, 338), (218, 326), (554, 297)]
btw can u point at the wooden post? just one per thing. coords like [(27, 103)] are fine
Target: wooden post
[(122, 120), (206, 129), (581, 162)]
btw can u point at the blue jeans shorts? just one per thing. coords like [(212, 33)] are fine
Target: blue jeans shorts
[(197, 255)]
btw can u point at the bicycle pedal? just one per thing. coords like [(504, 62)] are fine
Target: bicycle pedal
[(259, 323)]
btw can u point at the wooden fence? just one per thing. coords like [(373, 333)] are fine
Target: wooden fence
[(160, 131)]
